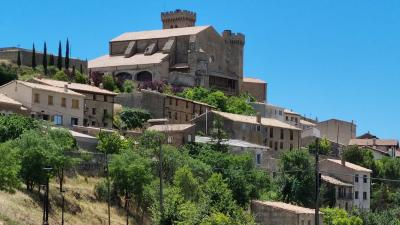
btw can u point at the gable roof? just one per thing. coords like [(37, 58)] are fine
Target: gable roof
[(75, 86), (120, 60), (8, 100), (44, 87), (349, 165), (374, 142), (287, 207), (334, 181), (253, 80), (164, 33), (253, 120), (170, 127)]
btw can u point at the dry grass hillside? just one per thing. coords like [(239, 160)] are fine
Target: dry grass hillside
[(82, 208)]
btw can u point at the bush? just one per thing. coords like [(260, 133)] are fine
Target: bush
[(60, 75), (128, 86), (80, 78), (134, 117), (7, 74), (109, 83)]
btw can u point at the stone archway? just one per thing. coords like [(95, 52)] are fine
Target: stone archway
[(144, 76), (121, 77)]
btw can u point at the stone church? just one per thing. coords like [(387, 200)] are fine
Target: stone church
[(181, 54)]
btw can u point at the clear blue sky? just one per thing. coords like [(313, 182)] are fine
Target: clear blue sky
[(326, 58)]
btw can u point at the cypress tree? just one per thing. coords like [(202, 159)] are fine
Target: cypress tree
[(33, 57), (51, 60), (45, 58), (67, 55), (19, 59), (73, 72), (81, 68), (59, 57)]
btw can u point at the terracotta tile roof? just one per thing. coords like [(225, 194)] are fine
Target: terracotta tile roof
[(75, 86), (350, 165), (334, 181), (253, 80), (374, 142), (253, 120), (137, 59), (170, 127), (288, 207), (8, 100), (164, 33), (47, 88)]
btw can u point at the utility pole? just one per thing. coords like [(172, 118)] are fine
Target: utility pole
[(317, 181), (46, 199), (161, 182)]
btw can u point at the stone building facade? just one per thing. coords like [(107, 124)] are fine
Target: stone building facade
[(256, 88), (176, 109), (279, 213), (11, 54), (10, 106), (176, 134), (59, 105), (181, 54), (337, 131), (98, 103)]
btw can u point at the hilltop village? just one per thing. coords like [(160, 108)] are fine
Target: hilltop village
[(185, 82)]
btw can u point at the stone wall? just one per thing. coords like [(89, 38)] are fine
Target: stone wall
[(257, 90)]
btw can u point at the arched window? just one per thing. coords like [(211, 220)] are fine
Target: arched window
[(121, 77), (144, 76)]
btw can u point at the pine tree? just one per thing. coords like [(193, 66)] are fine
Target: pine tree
[(33, 57), (45, 58), (51, 60), (67, 55), (19, 59), (59, 57)]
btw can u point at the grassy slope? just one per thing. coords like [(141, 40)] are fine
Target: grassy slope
[(24, 208)]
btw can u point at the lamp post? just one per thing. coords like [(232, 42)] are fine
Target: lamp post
[(47, 169)]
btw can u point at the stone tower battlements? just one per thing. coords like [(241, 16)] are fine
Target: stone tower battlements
[(233, 38), (178, 18)]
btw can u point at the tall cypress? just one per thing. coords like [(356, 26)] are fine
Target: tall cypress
[(33, 57), (81, 68), (45, 58), (19, 59), (67, 55), (59, 57), (51, 60)]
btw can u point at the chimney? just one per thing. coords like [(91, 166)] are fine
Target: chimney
[(101, 85), (343, 161), (374, 141), (65, 87), (258, 116)]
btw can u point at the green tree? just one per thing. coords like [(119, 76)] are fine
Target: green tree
[(109, 83), (359, 156), (110, 142), (19, 61), (239, 105), (59, 57), (218, 135), (7, 74), (134, 117), (80, 78), (324, 147), (60, 75), (217, 195), (296, 178), (217, 99), (33, 56), (128, 86), (44, 61), (10, 167), (12, 126), (187, 183), (335, 216), (67, 55)]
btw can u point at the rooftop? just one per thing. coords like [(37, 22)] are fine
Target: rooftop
[(307, 123), (334, 181), (253, 120), (45, 87), (170, 127), (288, 207), (253, 80), (177, 97), (287, 111), (374, 142), (230, 142), (8, 100), (349, 165), (164, 33), (75, 86), (120, 60)]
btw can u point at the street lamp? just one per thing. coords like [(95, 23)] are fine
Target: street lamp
[(46, 204)]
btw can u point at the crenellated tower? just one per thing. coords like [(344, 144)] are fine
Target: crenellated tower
[(178, 18)]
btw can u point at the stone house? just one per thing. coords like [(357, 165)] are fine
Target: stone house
[(279, 213), (292, 118), (59, 105), (180, 54), (10, 106), (98, 102), (269, 111), (337, 131), (177, 134), (256, 88), (352, 183), (275, 134), (379, 147), (176, 109)]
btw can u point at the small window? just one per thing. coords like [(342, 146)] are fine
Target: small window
[(187, 104), (356, 178), (94, 97), (364, 195), (74, 121), (105, 112), (282, 136), (309, 222), (365, 179), (105, 98), (291, 135), (302, 222), (170, 139), (270, 144), (94, 111), (291, 147), (271, 132), (105, 124), (186, 117), (63, 102), (50, 100), (287, 118), (296, 120), (189, 138), (170, 101), (176, 116), (276, 146), (58, 120), (169, 115), (356, 195), (176, 102), (37, 98), (280, 112), (93, 123), (258, 128), (281, 145), (258, 159), (75, 103)]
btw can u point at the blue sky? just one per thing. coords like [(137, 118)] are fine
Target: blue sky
[(326, 58)]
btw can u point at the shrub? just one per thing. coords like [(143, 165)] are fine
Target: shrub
[(60, 75)]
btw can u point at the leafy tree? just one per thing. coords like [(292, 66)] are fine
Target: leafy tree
[(239, 105), (296, 179), (128, 86), (386, 217), (134, 117), (10, 167), (19, 61), (218, 135), (217, 195), (109, 83), (187, 183), (359, 156), (33, 56), (67, 55), (80, 78), (12, 126), (335, 216), (44, 61), (60, 75), (110, 142), (59, 57), (7, 74), (324, 147), (217, 99), (151, 140)]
